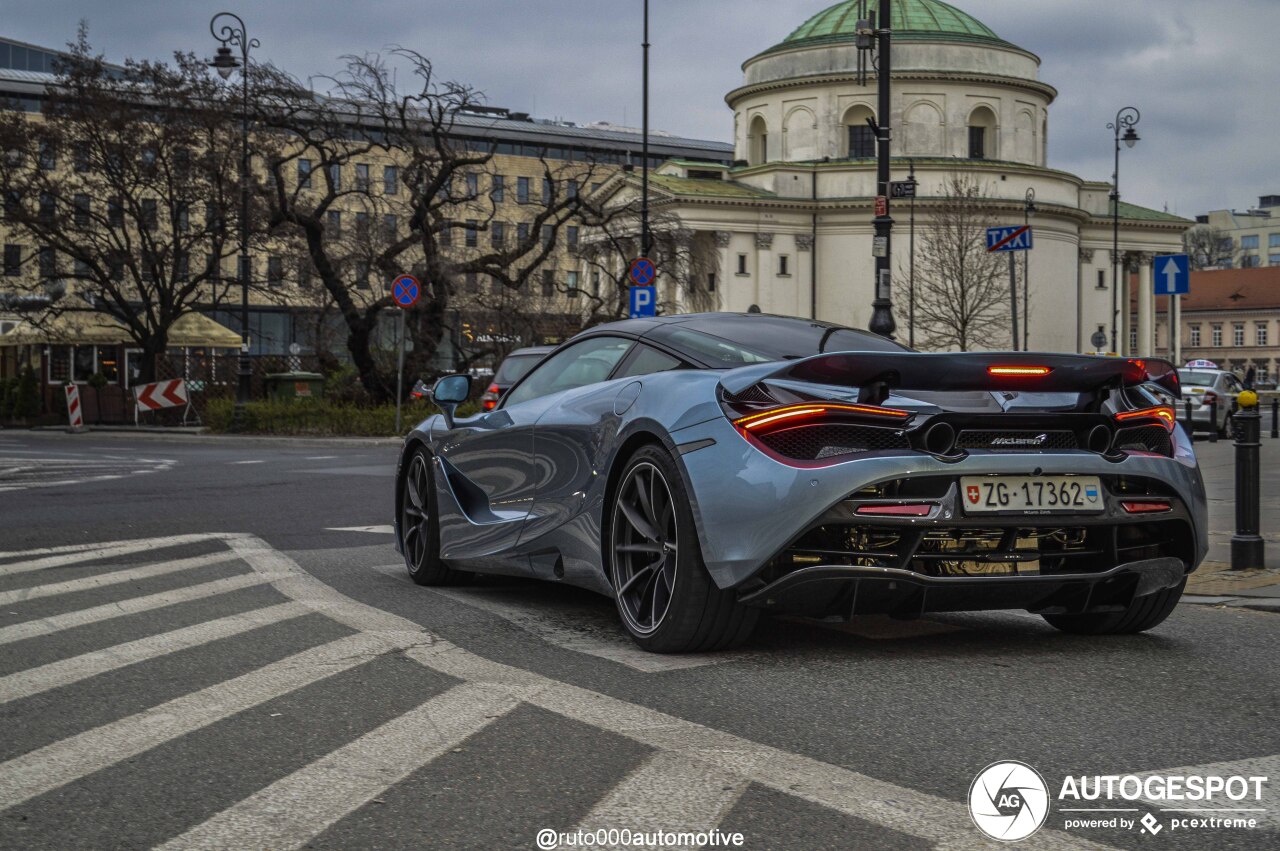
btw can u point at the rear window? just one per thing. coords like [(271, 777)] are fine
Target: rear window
[(766, 342), (514, 368), (1192, 378)]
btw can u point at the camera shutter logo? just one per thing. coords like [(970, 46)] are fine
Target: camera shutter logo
[(1009, 801)]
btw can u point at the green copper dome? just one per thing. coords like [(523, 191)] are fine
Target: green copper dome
[(915, 20)]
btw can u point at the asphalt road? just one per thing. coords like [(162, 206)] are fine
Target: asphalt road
[(255, 671)]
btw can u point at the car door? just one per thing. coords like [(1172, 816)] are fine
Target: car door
[(489, 459)]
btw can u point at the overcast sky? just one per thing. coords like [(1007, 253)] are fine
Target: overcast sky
[(1204, 75)]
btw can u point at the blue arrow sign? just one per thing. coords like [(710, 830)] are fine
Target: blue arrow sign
[(643, 302), (405, 291), (1009, 238), (1172, 274)]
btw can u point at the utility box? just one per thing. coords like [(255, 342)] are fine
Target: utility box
[(294, 385)]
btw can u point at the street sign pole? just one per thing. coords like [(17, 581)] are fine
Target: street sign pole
[(1013, 296), (399, 371), (405, 292)]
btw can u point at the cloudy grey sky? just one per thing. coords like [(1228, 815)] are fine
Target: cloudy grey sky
[(1204, 75)]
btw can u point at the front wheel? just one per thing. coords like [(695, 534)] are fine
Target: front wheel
[(667, 600), (1143, 613), (420, 526)]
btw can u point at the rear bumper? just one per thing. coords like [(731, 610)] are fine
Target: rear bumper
[(848, 591)]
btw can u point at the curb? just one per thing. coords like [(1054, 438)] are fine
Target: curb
[(196, 435)]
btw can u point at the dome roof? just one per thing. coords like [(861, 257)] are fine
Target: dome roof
[(914, 20)]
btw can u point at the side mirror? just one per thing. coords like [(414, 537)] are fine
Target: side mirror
[(450, 392)]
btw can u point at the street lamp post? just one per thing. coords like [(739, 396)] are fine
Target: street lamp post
[(911, 261), (1028, 210), (882, 306), (1126, 120), (231, 33)]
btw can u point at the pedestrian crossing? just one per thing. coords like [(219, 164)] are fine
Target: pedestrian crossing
[(663, 772), (26, 471)]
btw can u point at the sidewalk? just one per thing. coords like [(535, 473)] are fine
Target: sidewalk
[(1216, 584)]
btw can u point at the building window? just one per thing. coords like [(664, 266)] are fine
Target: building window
[(1133, 340), (48, 260), (335, 176), (115, 266), (304, 174), (150, 214), (472, 282), (183, 216), (862, 142), (595, 283), (1237, 334), (742, 264), (784, 266), (1216, 339), (275, 271), (446, 233), (1273, 259), (499, 191), (47, 158), (390, 180), (1250, 261), (59, 364), (115, 213), (390, 226), (81, 268), (1249, 242), (571, 283), (522, 233), (362, 226), (571, 189), (362, 274), (80, 158), (83, 363), (547, 233), (977, 143), (1195, 335), (333, 223), (12, 203), (711, 282), (1273, 240), (82, 210), (572, 236), (48, 207), (473, 185), (522, 190), (1102, 279), (497, 234), (12, 260), (304, 273), (362, 177), (182, 267), (471, 235), (1260, 334), (548, 191), (548, 283)]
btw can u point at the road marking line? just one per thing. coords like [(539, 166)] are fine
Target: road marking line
[(67, 671), (1262, 766), (567, 628), (296, 808), (321, 457), (132, 606), (378, 530), (59, 556), (942, 821), (65, 761), (668, 792), (117, 577), (259, 461)]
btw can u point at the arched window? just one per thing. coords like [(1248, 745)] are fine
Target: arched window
[(861, 138), (758, 141), (982, 134)]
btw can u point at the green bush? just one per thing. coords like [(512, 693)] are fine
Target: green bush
[(26, 397), (319, 417)]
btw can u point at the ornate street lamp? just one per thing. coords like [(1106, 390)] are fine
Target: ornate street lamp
[(1126, 120), (231, 33)]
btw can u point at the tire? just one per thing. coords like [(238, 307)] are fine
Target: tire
[(666, 598), (420, 526), (1142, 614)]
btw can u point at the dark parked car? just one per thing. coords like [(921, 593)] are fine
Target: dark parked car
[(513, 368)]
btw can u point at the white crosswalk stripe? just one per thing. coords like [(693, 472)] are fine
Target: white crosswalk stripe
[(79, 553), (67, 671), (114, 577)]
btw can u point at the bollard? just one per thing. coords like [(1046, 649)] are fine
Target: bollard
[(1213, 420), (1247, 547), (1275, 418), (1191, 430)]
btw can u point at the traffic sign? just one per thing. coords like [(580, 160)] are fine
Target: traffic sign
[(642, 272), (643, 302), (405, 291), (882, 206), (1009, 238), (1099, 339), (902, 189), (1172, 274)]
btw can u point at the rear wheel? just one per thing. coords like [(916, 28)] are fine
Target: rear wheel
[(667, 600), (1143, 613), (420, 526)]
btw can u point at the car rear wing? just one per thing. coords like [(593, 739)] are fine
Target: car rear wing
[(1027, 372)]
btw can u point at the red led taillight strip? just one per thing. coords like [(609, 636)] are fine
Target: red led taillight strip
[(914, 509), (1161, 414), (795, 412), (1019, 371), (1136, 507)]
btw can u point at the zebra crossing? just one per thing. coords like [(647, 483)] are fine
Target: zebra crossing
[(244, 762), (24, 470)]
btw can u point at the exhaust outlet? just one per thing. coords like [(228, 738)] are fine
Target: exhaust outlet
[(940, 439), (1099, 440)]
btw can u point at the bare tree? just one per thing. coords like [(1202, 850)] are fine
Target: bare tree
[(1209, 247), (432, 210), (962, 291), (127, 190)]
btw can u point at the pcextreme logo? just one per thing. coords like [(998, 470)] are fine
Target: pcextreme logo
[(1009, 801)]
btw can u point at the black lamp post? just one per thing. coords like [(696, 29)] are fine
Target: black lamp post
[(882, 306), (231, 33), (1028, 210), (1126, 120)]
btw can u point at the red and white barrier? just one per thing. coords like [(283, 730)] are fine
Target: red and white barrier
[(75, 413), (161, 394)]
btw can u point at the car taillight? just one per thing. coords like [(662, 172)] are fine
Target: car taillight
[(489, 400), (815, 434), (1144, 506), (909, 509), (1161, 415), (1208, 398), (788, 415), (1019, 371)]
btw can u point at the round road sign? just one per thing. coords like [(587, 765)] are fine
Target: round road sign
[(405, 291), (642, 272)]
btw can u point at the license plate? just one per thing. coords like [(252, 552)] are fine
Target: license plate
[(1031, 494)]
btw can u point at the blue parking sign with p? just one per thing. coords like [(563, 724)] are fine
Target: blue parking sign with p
[(643, 302)]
